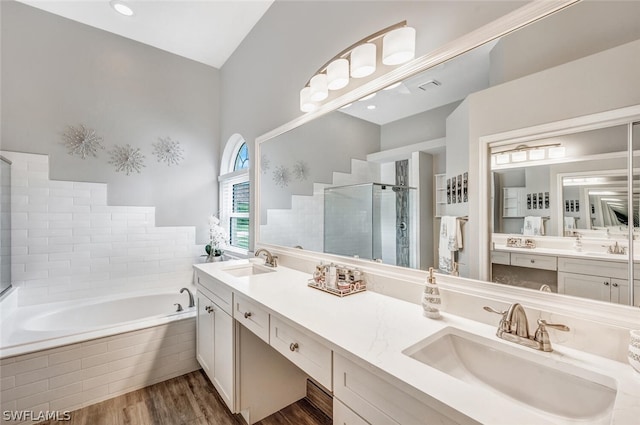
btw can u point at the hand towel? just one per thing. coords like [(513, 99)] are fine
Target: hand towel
[(569, 223), (449, 242), (533, 226)]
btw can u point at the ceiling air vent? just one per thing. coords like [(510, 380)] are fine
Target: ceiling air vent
[(429, 85)]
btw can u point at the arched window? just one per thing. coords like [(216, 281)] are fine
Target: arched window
[(234, 193)]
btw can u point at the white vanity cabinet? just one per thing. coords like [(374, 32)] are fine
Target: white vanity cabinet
[(373, 400), (215, 341), (598, 280)]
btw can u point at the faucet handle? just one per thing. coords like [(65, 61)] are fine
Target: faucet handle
[(491, 310), (543, 323)]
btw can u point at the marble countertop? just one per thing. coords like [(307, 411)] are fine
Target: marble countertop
[(587, 254), (373, 330)]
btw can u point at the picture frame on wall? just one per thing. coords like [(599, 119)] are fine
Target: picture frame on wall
[(465, 187), (448, 191), (453, 190), (528, 201), (534, 201), (459, 188), (540, 200), (546, 200)]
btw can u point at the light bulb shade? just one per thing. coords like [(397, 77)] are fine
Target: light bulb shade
[(363, 60), (399, 46), (306, 105), (338, 74), (318, 86)]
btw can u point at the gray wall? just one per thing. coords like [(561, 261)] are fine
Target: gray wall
[(57, 72)]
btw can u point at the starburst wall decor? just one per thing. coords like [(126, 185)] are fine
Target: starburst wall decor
[(300, 170), (81, 141), (127, 159), (168, 150), (281, 176), (265, 164)]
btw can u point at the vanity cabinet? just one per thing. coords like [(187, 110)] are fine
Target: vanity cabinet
[(534, 261), (215, 344), (375, 401), (252, 316), (311, 356)]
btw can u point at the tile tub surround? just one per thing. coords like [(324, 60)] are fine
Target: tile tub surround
[(67, 243), (77, 375), (373, 330)]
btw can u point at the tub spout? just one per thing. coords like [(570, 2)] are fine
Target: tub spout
[(191, 302)]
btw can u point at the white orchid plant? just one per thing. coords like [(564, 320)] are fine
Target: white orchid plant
[(218, 236)]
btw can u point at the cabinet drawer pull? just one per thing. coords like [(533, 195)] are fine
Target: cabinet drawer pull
[(293, 346), (247, 315), (533, 261)]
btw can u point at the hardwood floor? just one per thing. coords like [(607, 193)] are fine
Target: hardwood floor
[(186, 400)]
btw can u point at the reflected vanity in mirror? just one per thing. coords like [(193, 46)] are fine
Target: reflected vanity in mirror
[(416, 135)]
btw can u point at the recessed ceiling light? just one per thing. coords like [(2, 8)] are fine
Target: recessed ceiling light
[(370, 107), (121, 7)]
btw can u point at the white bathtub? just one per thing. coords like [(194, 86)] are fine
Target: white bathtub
[(64, 356), (43, 326)]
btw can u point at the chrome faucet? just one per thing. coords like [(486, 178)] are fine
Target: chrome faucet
[(616, 249), (191, 302), (514, 327), (269, 260)]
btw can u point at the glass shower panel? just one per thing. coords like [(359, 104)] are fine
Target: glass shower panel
[(5, 224), (348, 210), (377, 218)]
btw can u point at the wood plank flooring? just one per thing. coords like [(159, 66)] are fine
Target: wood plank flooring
[(186, 400)]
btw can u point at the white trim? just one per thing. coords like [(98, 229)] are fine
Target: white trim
[(405, 152), (234, 175), (230, 152)]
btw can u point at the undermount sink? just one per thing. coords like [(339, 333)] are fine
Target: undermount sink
[(247, 270), (581, 396)]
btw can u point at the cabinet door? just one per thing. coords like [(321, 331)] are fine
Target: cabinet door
[(580, 285), (223, 365), (204, 333)]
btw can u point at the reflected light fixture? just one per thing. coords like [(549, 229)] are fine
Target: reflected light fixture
[(359, 60), (522, 153), (121, 7)]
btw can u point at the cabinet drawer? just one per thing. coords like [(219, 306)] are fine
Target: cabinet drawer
[(217, 291), (252, 317), (534, 261), (593, 267), (500, 257), (305, 352), (342, 415), (379, 402)]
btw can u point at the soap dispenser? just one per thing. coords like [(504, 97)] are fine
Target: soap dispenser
[(431, 298), (577, 244)]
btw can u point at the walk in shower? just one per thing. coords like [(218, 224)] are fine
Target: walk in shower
[(373, 221)]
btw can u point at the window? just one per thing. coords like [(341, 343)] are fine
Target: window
[(235, 193)]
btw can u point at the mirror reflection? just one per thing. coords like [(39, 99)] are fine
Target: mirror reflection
[(418, 134)]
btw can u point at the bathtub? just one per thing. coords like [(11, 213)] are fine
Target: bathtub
[(68, 355), (39, 327)]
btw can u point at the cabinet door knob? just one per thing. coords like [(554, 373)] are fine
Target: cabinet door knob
[(293, 346), (533, 261), (209, 309), (247, 315), (606, 283), (615, 285)]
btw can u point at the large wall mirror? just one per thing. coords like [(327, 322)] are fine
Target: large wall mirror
[(369, 179)]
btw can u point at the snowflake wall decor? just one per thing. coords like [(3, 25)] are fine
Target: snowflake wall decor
[(281, 176), (127, 159), (300, 170), (81, 141), (265, 163), (167, 150)]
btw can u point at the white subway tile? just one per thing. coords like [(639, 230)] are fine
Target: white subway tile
[(49, 265), (29, 275), (49, 249), (46, 232), (7, 382), (78, 353), (22, 391), (96, 394), (47, 372), (48, 396), (60, 184), (71, 255)]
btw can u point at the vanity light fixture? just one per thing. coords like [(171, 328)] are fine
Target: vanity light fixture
[(522, 153), (359, 60), (121, 7)]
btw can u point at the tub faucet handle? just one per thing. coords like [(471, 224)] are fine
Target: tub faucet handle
[(179, 308)]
